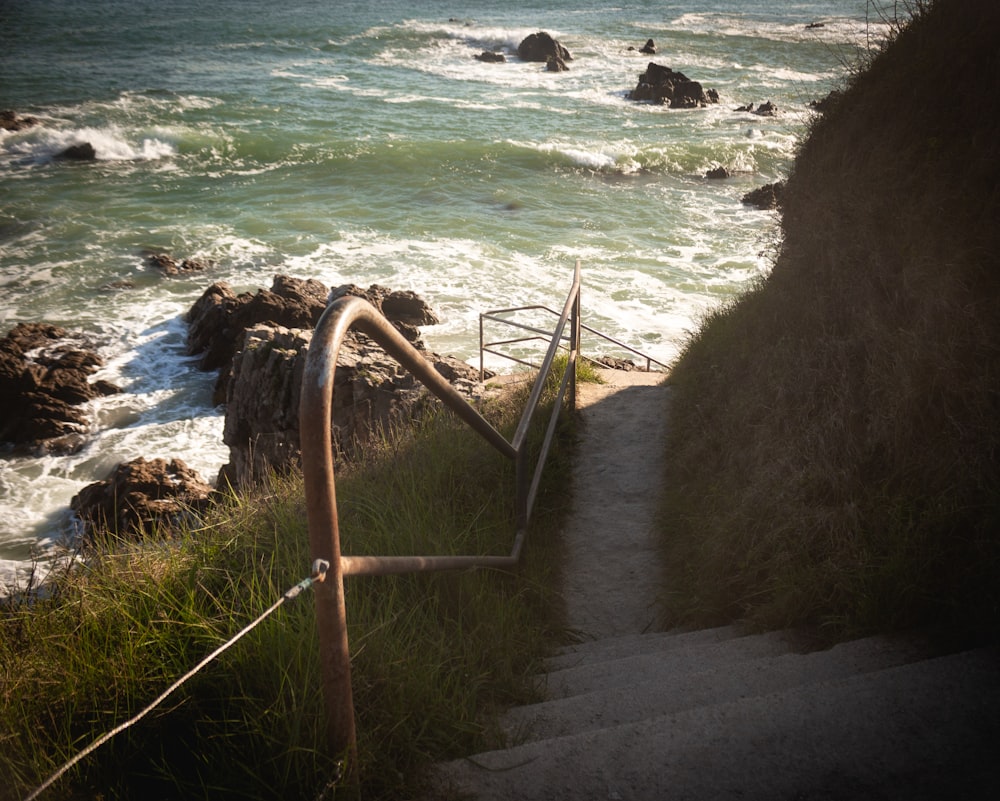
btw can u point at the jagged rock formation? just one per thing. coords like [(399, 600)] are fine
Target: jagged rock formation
[(260, 341), (541, 47), (141, 497), (44, 377), (664, 86)]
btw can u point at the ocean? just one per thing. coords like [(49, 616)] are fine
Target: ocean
[(359, 142)]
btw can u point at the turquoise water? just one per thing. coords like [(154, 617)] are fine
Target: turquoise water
[(360, 142)]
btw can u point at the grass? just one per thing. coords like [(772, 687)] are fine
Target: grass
[(433, 656), (835, 431)]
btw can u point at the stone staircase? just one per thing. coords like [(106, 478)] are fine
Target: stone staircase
[(717, 714), (714, 714)]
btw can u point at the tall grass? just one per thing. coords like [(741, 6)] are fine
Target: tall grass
[(432, 656), (834, 432)]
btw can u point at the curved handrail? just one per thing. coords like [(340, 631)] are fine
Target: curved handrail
[(315, 416)]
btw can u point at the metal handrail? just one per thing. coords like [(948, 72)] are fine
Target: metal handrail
[(487, 347), (315, 417)]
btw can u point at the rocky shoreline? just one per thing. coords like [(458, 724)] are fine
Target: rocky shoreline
[(257, 342)]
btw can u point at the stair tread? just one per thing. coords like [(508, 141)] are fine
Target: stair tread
[(624, 670), (663, 690), (631, 644), (924, 730)]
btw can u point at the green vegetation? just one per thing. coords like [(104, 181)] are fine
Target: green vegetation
[(835, 432), (433, 655)]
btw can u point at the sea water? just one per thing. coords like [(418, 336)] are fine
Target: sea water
[(360, 142)]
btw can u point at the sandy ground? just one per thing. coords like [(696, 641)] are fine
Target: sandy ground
[(612, 573)]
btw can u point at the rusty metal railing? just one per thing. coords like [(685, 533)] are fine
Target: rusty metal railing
[(539, 335), (315, 412)]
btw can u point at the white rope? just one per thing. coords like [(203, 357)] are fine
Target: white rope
[(320, 567)]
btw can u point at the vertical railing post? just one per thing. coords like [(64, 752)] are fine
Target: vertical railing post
[(574, 336), (324, 542)]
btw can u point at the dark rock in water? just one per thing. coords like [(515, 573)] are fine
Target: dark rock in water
[(540, 46), (816, 25), (82, 152), (767, 109), (555, 64), (717, 173), (765, 197), (43, 379), (491, 58), (170, 266), (141, 497), (748, 107), (10, 121), (649, 48), (664, 86)]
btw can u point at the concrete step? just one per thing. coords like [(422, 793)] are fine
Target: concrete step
[(922, 731), (663, 690), (625, 671), (593, 651)]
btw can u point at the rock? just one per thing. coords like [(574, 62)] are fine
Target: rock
[(615, 363), (765, 197), (491, 58), (81, 152), (43, 379), (649, 48), (555, 64), (662, 85), (10, 121), (717, 173), (258, 342), (141, 497), (371, 393), (767, 109), (219, 318), (540, 46), (170, 266), (748, 107)]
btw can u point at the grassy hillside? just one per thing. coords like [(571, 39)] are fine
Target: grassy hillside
[(835, 433)]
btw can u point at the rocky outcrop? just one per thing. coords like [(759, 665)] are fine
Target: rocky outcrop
[(555, 64), (491, 57), (168, 265), (371, 393), (664, 86), (141, 497), (541, 47), (259, 342), (649, 48), (765, 197), (44, 377), (10, 121), (219, 318)]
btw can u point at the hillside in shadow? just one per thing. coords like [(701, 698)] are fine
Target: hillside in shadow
[(833, 455)]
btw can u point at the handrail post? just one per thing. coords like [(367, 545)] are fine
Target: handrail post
[(315, 409), (574, 336)]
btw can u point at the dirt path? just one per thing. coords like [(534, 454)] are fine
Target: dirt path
[(612, 573)]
